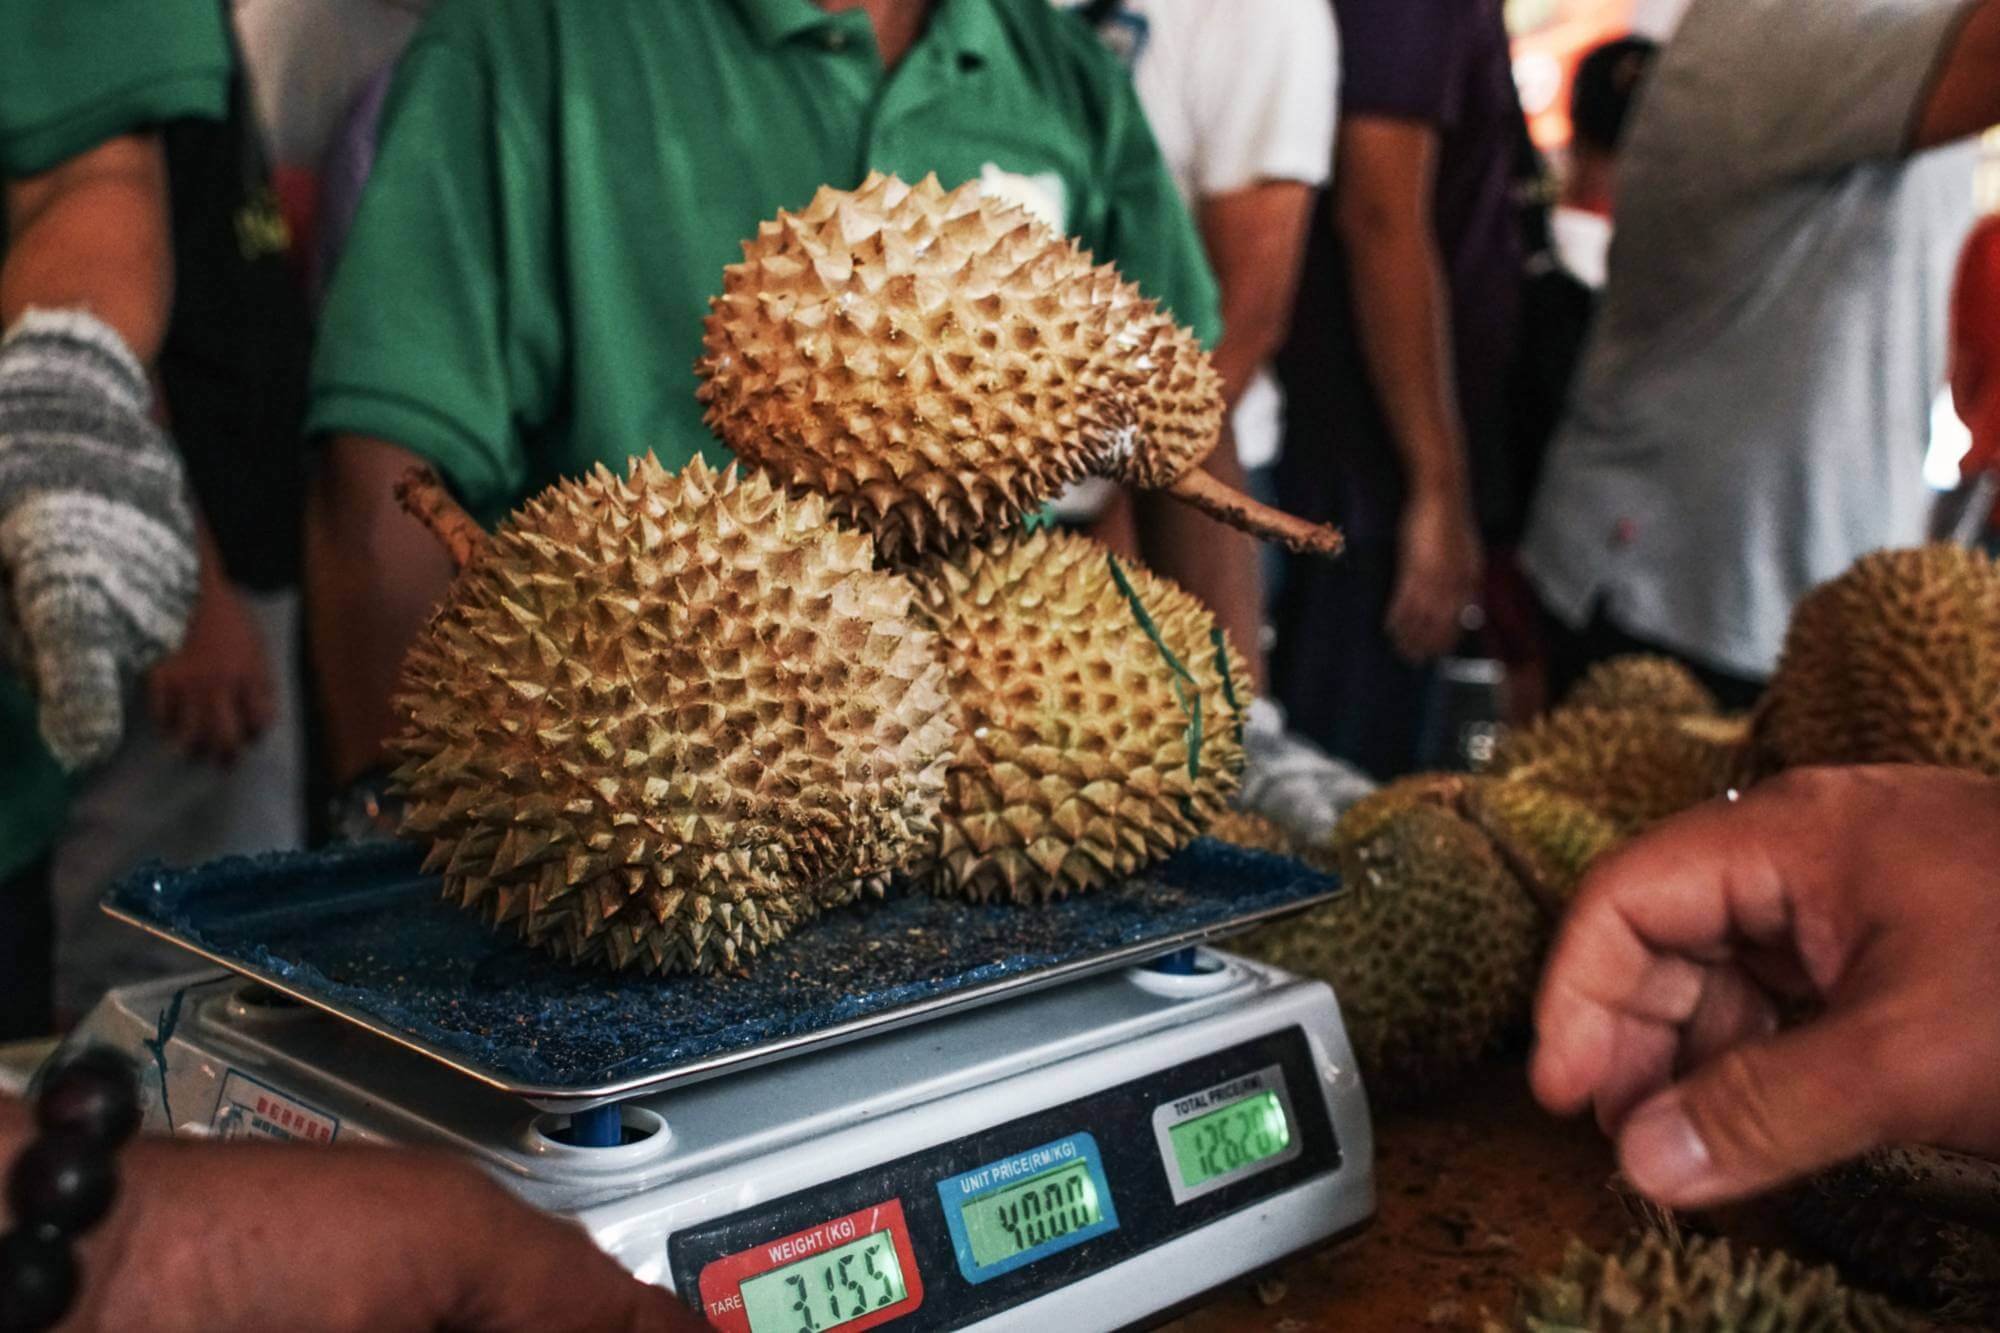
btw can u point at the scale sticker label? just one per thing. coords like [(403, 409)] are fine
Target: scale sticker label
[(252, 1109), (1225, 1133), (1007, 1214), (848, 1273)]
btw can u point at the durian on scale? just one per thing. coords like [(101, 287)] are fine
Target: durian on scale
[(662, 720), (939, 365)]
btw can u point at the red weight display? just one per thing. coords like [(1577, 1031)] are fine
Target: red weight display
[(847, 1273)]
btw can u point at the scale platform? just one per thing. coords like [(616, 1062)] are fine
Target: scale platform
[(1025, 1119)]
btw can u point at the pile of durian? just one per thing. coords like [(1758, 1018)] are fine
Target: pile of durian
[(661, 721), (1455, 883)]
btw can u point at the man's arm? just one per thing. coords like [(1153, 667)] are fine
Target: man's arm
[(1383, 195), (373, 577), (1965, 97), (93, 234)]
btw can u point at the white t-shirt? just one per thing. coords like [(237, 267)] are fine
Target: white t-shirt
[(1237, 92), (1752, 409)]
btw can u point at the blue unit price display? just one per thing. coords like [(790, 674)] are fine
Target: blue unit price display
[(1007, 1214)]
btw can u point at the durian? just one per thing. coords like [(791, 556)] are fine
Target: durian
[(1241, 828), (1099, 716), (1895, 661), (1545, 837), (1632, 768), (1698, 1286), (1919, 1223), (1432, 950), (1642, 683), (659, 722), (940, 364)]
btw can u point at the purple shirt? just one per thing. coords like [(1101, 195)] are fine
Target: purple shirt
[(1447, 64)]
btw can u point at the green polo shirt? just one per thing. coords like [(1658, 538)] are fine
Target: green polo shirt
[(560, 185), (74, 73)]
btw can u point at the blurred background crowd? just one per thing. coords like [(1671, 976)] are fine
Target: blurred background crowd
[(1594, 328)]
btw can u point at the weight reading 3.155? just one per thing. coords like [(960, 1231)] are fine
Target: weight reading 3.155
[(827, 1290)]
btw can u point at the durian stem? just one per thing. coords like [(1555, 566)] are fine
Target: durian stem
[(424, 497), (1196, 487)]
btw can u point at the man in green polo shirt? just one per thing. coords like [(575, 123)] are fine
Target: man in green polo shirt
[(558, 189), (97, 564)]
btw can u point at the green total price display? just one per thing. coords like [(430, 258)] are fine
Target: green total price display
[(1211, 1138), (828, 1290), (1027, 1216), (1223, 1142)]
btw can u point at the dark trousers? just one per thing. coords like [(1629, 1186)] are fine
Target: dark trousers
[(1572, 653), (27, 943), (1332, 666)]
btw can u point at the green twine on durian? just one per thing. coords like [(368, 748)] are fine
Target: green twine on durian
[(1186, 689), (1221, 642)]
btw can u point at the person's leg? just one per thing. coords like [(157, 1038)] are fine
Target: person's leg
[(1573, 652), (26, 990), (1340, 681)]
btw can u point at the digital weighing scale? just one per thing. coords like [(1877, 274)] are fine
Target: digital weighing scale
[(1073, 1119)]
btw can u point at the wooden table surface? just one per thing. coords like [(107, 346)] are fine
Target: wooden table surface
[(1471, 1192)]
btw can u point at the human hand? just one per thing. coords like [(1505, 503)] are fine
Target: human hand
[(242, 1238), (96, 534), (215, 694), (1438, 566), (1874, 891)]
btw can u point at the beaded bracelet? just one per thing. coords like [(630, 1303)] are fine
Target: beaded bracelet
[(63, 1183)]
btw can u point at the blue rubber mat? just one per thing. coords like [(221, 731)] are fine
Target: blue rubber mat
[(360, 931)]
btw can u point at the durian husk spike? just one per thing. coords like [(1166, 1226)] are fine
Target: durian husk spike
[(425, 499), (1199, 488)]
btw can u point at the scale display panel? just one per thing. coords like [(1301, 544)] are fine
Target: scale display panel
[(849, 1273), (1219, 1135), (967, 1242), (1009, 1213)]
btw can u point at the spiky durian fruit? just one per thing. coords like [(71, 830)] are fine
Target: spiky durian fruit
[(1632, 768), (939, 364), (1699, 1286), (1919, 1223), (1432, 950), (1895, 661), (1545, 837), (1099, 716), (1642, 683), (1241, 828), (660, 721)]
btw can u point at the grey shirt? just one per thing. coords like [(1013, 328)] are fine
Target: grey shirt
[(1754, 404)]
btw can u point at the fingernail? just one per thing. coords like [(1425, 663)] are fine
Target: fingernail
[(1661, 1152)]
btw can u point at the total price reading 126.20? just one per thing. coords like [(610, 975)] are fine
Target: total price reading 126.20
[(1228, 1140), (827, 1290)]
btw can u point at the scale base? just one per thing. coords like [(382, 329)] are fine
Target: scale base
[(712, 1160)]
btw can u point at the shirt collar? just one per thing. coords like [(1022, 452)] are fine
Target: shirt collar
[(778, 21), (964, 28)]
